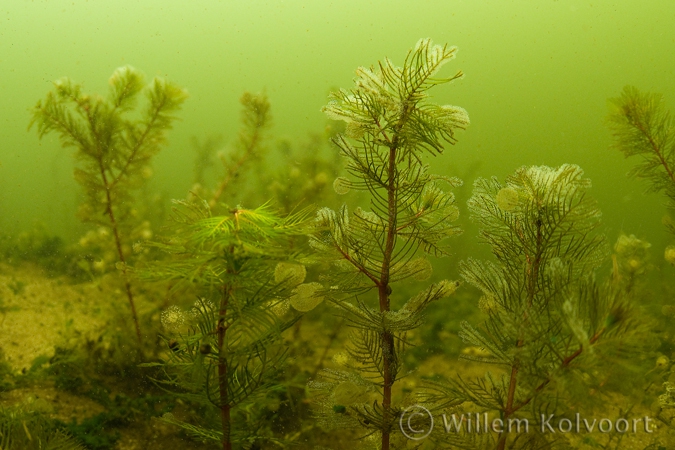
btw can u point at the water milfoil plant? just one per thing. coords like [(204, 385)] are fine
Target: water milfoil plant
[(114, 143), (559, 337), (255, 121), (641, 126), (390, 127), (242, 267)]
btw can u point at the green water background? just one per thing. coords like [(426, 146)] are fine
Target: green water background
[(538, 74)]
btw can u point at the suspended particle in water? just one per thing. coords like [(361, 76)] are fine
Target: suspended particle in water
[(290, 273), (342, 185), (507, 199), (305, 297)]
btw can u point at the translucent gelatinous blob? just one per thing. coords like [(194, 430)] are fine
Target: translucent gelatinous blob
[(305, 297), (507, 199), (290, 273), (342, 185)]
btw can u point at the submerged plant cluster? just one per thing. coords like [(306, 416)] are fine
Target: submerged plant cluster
[(305, 323)]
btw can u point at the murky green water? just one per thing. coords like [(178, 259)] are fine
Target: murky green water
[(537, 77)]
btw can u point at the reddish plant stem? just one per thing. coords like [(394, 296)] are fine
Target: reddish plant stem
[(384, 291), (84, 104), (565, 363), (508, 410), (511, 408), (657, 150), (533, 263), (359, 266), (120, 254)]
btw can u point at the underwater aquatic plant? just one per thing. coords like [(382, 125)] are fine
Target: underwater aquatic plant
[(305, 172), (205, 153), (669, 254), (640, 125), (293, 173), (549, 325), (255, 119), (630, 262), (114, 149), (390, 127), (22, 429), (241, 265)]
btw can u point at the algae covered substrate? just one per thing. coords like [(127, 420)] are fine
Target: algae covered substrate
[(328, 225)]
